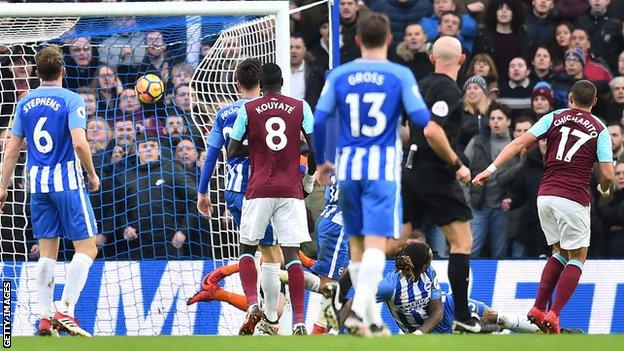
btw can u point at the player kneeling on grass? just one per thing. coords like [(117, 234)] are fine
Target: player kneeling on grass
[(416, 303)]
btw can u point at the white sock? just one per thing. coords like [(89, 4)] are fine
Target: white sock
[(312, 281), (354, 270), (269, 281), (516, 323), (45, 285), (370, 274), (77, 273)]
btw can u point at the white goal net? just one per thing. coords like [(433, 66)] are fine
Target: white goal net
[(136, 286)]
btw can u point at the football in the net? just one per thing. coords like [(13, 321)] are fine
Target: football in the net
[(149, 88)]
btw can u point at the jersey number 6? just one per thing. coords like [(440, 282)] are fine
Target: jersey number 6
[(39, 134)]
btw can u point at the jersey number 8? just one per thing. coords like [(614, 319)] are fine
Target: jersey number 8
[(273, 133), (376, 100), (39, 134)]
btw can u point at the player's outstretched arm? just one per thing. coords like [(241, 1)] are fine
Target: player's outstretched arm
[(509, 152), (11, 154), (81, 146), (204, 206)]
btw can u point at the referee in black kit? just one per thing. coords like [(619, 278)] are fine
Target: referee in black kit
[(433, 171)]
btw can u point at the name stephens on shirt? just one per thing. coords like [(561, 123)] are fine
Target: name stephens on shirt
[(43, 101)]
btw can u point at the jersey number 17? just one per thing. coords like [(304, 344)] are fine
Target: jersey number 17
[(565, 134)]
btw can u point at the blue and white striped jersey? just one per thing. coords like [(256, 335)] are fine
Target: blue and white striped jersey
[(44, 118), (331, 211), (408, 301), (237, 175), (370, 98)]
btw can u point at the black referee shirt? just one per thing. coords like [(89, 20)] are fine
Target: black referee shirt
[(443, 98)]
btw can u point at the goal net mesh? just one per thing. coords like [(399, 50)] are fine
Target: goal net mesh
[(146, 208)]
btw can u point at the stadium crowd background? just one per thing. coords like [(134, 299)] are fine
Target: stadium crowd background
[(521, 58)]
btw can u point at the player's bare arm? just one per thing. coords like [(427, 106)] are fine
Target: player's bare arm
[(509, 152), (436, 313), (11, 153), (607, 174), (308, 178), (437, 140), (81, 146)]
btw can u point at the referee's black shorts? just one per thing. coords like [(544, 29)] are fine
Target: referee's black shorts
[(433, 190)]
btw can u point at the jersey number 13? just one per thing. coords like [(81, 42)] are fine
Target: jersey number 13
[(376, 100)]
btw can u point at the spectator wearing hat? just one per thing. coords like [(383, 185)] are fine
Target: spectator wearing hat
[(476, 104), (413, 51), (542, 100), (574, 62), (320, 51), (593, 69), (516, 93)]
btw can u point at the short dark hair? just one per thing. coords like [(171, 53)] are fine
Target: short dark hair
[(616, 124), (453, 13), (297, 35), (178, 87), (271, 77), (49, 62), (496, 106), (584, 93), (523, 119), (373, 30), (248, 73)]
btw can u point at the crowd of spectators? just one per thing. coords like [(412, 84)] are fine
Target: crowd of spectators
[(521, 58)]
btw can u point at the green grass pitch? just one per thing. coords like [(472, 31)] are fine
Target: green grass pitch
[(327, 343)]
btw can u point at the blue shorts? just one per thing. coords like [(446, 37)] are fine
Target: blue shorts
[(234, 203), (332, 248), (67, 213), (446, 325), (371, 207)]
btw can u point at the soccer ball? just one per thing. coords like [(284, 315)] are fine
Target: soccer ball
[(149, 88)]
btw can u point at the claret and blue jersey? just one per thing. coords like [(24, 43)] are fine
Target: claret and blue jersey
[(370, 98)]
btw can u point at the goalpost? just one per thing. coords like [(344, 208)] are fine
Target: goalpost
[(137, 286)]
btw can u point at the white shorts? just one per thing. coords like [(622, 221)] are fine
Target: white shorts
[(288, 218), (564, 221)]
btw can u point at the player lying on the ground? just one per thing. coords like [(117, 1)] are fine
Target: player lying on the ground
[(413, 297)]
